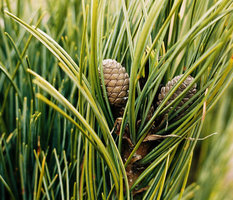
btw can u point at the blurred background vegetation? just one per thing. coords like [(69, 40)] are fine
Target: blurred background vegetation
[(44, 156)]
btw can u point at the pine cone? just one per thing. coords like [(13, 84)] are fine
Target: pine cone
[(116, 81), (165, 90)]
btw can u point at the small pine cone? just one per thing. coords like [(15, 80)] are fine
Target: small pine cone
[(165, 90), (116, 81)]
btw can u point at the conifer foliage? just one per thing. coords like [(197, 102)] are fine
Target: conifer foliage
[(74, 127)]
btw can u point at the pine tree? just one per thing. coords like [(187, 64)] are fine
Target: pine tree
[(66, 135)]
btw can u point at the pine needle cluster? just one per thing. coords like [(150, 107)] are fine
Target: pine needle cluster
[(60, 137)]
